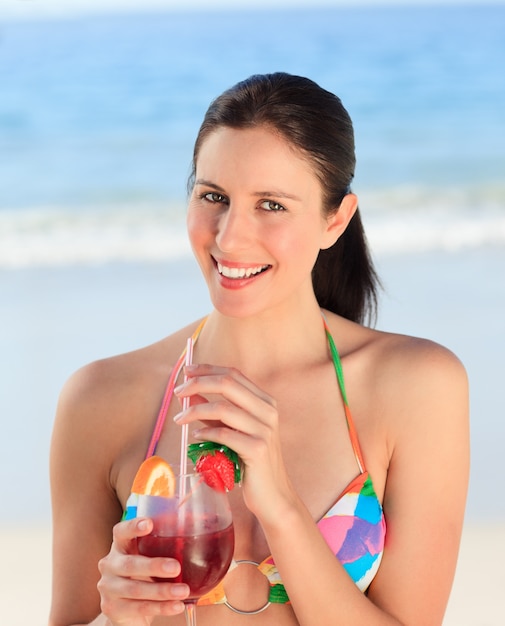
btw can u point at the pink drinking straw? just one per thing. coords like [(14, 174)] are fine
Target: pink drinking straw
[(185, 405)]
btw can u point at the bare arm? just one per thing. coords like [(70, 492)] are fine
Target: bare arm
[(424, 506), (90, 547), (84, 505), (426, 490), (426, 409)]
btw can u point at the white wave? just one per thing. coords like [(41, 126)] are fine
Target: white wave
[(396, 223), (408, 219), (415, 233), (51, 237)]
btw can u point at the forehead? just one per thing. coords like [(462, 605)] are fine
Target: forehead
[(258, 151)]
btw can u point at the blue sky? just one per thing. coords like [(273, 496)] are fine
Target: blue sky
[(49, 8)]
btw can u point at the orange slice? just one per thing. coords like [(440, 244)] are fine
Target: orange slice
[(155, 477)]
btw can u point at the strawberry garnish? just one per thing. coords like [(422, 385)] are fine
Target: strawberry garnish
[(217, 470), (218, 464)]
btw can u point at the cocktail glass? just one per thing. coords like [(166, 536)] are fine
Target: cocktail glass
[(195, 527)]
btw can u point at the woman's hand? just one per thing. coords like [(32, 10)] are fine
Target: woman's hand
[(236, 413), (128, 594)]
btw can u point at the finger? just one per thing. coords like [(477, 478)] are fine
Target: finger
[(135, 589), (133, 565), (138, 566), (195, 399), (225, 375), (124, 595), (125, 610), (124, 534), (233, 390), (221, 416), (248, 447)]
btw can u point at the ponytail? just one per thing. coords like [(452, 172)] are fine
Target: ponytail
[(344, 278)]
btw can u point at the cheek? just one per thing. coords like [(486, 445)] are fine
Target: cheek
[(301, 246), (197, 227), (191, 226)]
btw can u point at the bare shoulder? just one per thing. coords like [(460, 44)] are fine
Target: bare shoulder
[(107, 408), (96, 395), (415, 369), (417, 359), (399, 360), (419, 391), (118, 382), (404, 385)]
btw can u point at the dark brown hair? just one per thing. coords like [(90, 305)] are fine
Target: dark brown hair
[(315, 122)]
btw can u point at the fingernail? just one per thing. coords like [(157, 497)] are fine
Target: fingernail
[(171, 567), (143, 525), (179, 591), (178, 417), (178, 607), (179, 388)]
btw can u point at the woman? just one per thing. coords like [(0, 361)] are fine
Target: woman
[(276, 231)]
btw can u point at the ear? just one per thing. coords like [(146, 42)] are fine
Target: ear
[(337, 222)]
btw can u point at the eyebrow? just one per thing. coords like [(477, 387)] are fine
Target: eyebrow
[(207, 183), (259, 194)]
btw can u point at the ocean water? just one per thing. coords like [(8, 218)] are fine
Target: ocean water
[(98, 116), (97, 122)]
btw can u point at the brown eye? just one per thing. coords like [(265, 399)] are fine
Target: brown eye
[(213, 196), (270, 205)]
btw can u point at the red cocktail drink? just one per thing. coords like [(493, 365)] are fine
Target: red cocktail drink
[(204, 558), (194, 526)]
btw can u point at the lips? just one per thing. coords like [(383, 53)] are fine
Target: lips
[(240, 272)]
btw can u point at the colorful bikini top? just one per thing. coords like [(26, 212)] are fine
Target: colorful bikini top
[(354, 527)]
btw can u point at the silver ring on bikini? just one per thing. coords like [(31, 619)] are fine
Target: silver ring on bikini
[(240, 611)]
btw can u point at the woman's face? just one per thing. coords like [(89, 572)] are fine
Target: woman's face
[(255, 221)]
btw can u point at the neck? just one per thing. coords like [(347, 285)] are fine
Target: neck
[(265, 343)]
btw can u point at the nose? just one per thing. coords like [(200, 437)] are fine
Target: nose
[(235, 230)]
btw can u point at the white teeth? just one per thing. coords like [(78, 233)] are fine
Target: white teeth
[(239, 272)]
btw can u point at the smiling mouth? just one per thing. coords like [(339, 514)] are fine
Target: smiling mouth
[(240, 272)]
